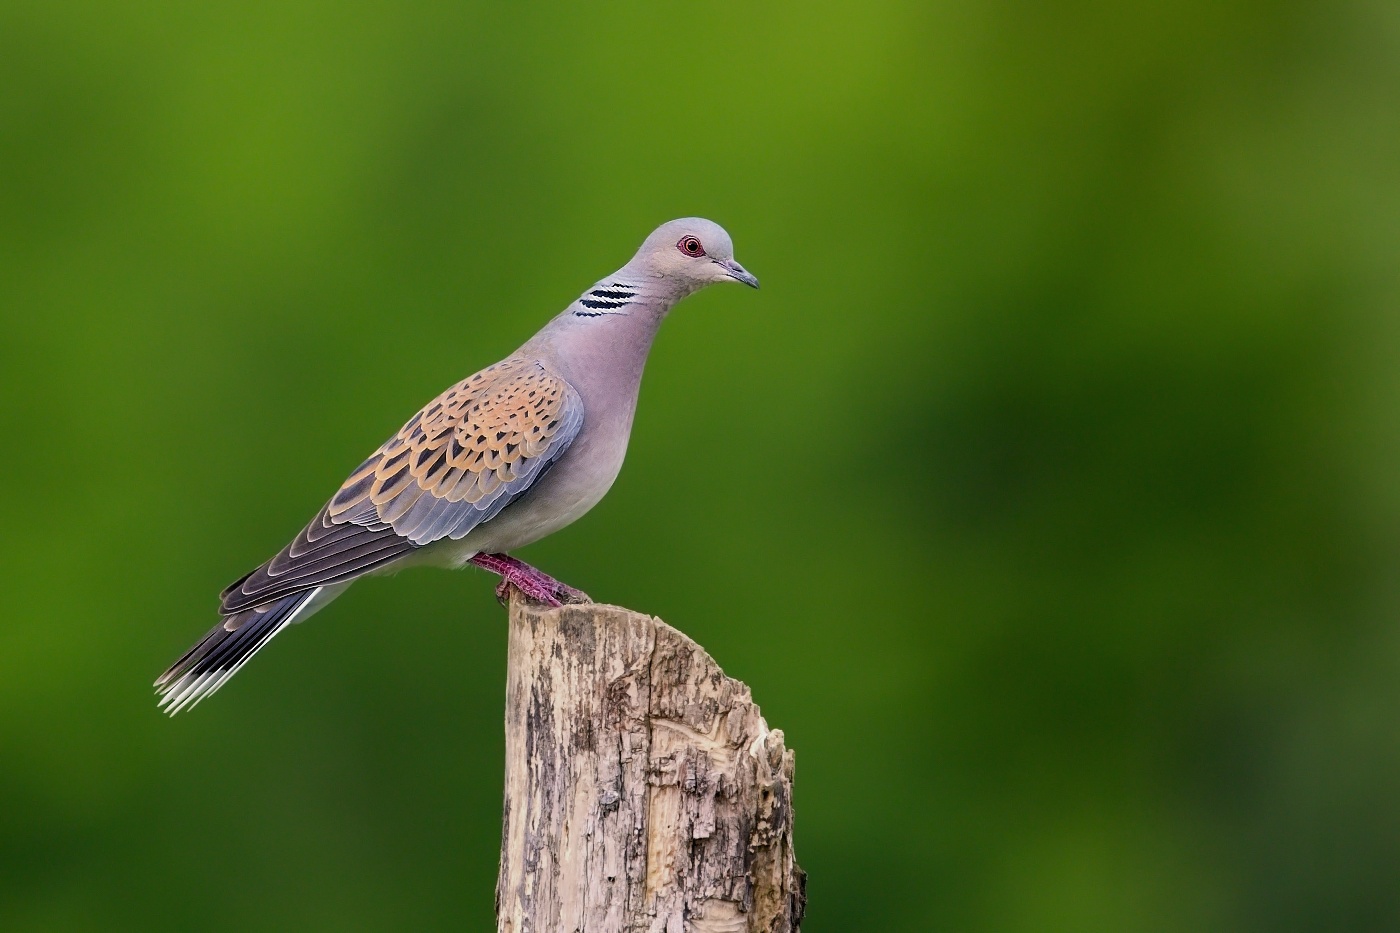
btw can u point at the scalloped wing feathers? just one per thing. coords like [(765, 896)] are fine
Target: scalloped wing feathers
[(457, 463), (462, 458)]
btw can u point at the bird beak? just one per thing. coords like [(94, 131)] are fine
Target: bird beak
[(737, 272)]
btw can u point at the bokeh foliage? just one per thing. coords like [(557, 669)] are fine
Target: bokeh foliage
[(1046, 495)]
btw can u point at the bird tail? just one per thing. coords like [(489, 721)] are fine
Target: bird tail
[(229, 645)]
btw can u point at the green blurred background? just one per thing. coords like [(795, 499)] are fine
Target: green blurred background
[(1045, 496)]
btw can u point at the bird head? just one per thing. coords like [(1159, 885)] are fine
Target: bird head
[(690, 253)]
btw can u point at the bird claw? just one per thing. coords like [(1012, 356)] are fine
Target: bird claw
[(570, 595), (560, 595)]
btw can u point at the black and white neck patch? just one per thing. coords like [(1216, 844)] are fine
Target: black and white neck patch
[(605, 299)]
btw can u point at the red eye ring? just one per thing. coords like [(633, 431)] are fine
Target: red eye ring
[(690, 246)]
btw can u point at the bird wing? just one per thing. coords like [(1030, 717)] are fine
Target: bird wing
[(468, 454)]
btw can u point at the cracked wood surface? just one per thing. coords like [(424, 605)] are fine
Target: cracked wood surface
[(644, 792)]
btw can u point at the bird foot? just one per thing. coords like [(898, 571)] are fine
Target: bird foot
[(533, 584)]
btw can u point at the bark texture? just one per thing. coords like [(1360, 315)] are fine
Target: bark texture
[(644, 792)]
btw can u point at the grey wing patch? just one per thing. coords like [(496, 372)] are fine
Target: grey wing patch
[(324, 552)]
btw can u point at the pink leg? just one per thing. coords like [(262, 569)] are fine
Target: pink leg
[(532, 583)]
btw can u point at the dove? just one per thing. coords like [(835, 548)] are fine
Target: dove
[(501, 459)]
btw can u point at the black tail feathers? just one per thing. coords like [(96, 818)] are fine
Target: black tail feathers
[(218, 655)]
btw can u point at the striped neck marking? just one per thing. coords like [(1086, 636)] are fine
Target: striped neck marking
[(605, 299)]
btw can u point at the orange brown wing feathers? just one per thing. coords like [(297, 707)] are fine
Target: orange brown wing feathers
[(468, 454)]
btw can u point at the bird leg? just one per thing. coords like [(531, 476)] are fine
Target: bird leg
[(532, 584)]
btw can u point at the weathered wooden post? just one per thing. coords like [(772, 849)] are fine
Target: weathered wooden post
[(644, 791)]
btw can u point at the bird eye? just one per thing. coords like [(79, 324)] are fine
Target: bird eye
[(690, 246)]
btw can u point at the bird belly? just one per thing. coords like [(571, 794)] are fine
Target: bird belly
[(535, 517)]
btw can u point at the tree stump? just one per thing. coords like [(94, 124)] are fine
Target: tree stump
[(644, 791)]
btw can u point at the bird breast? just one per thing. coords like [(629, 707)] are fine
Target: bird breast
[(572, 486)]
